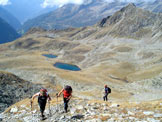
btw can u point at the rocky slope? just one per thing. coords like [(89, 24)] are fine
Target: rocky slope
[(14, 89), (82, 110)]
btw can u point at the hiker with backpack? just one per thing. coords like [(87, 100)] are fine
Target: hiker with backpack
[(107, 91), (67, 94), (42, 100)]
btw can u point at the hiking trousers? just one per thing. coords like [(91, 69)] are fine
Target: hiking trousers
[(42, 100), (105, 97), (42, 106), (66, 104)]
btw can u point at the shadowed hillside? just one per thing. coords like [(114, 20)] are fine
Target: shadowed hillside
[(10, 19), (14, 89), (7, 32)]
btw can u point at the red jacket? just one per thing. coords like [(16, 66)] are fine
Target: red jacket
[(66, 94)]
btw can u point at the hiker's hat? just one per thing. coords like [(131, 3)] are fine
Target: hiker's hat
[(43, 90)]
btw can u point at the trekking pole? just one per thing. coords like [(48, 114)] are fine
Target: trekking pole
[(49, 108), (31, 105), (57, 102)]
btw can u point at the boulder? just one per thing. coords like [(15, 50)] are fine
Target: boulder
[(14, 110)]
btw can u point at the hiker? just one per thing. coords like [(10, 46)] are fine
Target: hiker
[(42, 100), (107, 91), (67, 94)]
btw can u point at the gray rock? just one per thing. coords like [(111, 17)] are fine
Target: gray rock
[(80, 107), (14, 110), (105, 108), (152, 120), (158, 115), (93, 120), (148, 113), (73, 110), (62, 117), (104, 104), (132, 118), (111, 120), (114, 105), (131, 113)]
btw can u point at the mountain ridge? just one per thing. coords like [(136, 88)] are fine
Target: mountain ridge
[(59, 19), (138, 19), (88, 14), (9, 18)]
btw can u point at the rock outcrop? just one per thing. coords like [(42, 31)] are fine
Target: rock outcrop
[(131, 21), (14, 89)]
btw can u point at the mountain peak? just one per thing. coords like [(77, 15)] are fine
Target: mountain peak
[(128, 10), (130, 6), (130, 21)]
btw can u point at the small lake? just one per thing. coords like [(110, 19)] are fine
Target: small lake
[(67, 66), (49, 55)]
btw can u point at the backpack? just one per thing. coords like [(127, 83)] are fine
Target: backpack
[(107, 90), (68, 89)]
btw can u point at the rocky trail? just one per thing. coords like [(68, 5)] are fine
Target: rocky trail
[(82, 110)]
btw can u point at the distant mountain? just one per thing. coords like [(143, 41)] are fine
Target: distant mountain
[(7, 33), (71, 15), (9, 18), (24, 10), (155, 6), (89, 13), (134, 22)]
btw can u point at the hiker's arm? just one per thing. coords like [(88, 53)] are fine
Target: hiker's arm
[(60, 93), (70, 97), (49, 98), (34, 96)]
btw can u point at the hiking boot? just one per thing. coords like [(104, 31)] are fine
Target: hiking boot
[(42, 116), (66, 111)]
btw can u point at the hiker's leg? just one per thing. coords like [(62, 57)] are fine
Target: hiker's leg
[(42, 108), (65, 104), (106, 97)]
